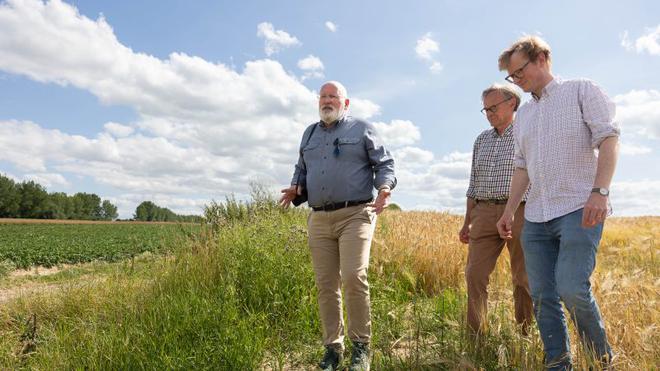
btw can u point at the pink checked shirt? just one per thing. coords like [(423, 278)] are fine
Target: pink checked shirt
[(556, 139)]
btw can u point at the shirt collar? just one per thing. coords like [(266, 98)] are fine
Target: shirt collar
[(337, 123), (507, 131), (548, 89)]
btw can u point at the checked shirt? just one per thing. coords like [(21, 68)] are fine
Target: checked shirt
[(492, 165)]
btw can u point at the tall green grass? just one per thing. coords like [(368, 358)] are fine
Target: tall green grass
[(240, 295)]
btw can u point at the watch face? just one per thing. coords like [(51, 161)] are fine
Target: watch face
[(603, 191)]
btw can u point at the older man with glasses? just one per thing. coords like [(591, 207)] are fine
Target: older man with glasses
[(557, 134), (342, 160), (490, 179)]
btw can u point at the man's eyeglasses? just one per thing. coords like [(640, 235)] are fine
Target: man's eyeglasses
[(330, 96), (493, 108), (517, 74)]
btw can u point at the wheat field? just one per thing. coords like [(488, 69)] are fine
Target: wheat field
[(626, 281)]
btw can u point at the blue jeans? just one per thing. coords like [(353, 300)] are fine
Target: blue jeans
[(560, 256)]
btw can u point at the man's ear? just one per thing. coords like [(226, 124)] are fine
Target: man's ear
[(346, 102)]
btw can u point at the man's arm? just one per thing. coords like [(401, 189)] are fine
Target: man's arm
[(519, 185), (464, 234), (595, 210), (383, 165), (298, 181)]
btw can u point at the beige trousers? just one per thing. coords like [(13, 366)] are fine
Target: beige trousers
[(340, 243), (484, 249)]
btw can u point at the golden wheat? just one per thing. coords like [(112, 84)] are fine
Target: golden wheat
[(626, 281)]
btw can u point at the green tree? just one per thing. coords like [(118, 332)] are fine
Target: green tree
[(60, 204), (145, 211), (9, 198), (33, 200), (86, 206), (108, 211)]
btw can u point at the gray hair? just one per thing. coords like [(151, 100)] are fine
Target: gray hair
[(508, 90), (340, 88)]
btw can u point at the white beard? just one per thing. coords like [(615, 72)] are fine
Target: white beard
[(331, 116)]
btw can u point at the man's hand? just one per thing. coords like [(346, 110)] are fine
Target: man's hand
[(464, 233), (382, 200), (288, 194), (504, 225), (595, 210)]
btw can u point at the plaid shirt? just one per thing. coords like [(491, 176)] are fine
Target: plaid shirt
[(556, 136), (492, 165)]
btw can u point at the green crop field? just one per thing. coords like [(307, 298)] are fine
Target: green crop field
[(46, 245)]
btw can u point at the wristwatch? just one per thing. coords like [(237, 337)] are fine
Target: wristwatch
[(601, 191)]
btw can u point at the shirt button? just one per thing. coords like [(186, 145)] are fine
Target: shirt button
[(324, 157), (322, 172)]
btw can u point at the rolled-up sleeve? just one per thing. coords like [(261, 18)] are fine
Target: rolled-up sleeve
[(518, 150), (380, 158), (598, 112)]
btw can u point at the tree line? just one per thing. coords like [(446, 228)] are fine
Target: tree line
[(148, 211), (29, 199)]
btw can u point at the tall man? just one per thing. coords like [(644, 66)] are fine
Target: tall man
[(490, 178), (557, 134), (342, 160)]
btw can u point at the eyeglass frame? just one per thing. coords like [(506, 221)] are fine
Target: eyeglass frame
[(493, 108), (517, 74)]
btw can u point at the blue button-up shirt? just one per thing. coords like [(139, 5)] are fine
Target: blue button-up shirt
[(343, 162)]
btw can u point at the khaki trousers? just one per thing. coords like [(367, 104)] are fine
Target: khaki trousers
[(340, 243), (484, 248)]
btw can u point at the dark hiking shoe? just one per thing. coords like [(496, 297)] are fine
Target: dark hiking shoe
[(360, 357), (331, 359)]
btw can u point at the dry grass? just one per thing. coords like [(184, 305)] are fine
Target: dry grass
[(626, 281)]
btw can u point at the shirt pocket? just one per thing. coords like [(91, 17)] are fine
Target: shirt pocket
[(311, 145), (311, 151), (350, 149)]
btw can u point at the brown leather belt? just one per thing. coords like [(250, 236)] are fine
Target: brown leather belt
[(492, 202), (340, 205)]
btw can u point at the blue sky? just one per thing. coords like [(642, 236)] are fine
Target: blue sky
[(184, 102)]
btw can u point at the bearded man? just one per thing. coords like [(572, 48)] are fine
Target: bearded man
[(342, 162)]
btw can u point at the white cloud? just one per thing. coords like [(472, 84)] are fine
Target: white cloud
[(118, 130), (312, 66), (441, 183), (436, 67), (398, 132), (427, 49), (310, 63), (275, 40), (630, 198), (413, 156), (629, 149), (639, 111), (363, 108), (649, 43), (331, 26), (47, 179), (203, 130)]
